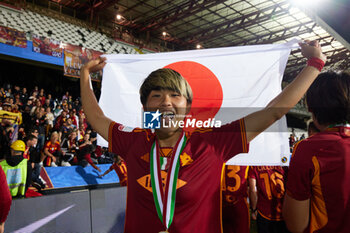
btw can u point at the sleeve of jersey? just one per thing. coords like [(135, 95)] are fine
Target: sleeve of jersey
[(229, 140), (300, 175), (119, 140)]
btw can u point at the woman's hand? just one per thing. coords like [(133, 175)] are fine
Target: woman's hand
[(311, 49), (94, 65)]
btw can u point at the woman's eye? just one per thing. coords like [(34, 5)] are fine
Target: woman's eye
[(176, 94)]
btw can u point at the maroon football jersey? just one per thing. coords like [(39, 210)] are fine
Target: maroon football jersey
[(198, 196), (320, 171), (235, 211), (52, 147), (270, 187), (121, 172), (234, 184)]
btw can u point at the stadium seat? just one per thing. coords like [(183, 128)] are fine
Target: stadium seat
[(28, 21)]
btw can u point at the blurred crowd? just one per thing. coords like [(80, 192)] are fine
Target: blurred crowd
[(54, 130)]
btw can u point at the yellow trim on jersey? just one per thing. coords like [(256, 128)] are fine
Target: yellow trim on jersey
[(243, 135), (295, 148), (319, 217), (246, 172), (222, 175)]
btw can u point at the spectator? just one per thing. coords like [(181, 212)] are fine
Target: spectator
[(291, 142), (24, 95), (49, 120), (9, 93), (31, 141), (36, 108), (52, 152), (2, 93), (58, 111), (35, 156), (50, 101), (60, 120), (77, 105), (39, 123), (18, 100), (17, 170), (75, 119), (42, 97), (85, 150), (35, 92), (65, 96)]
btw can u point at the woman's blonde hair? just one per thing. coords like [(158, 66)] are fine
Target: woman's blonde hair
[(165, 79)]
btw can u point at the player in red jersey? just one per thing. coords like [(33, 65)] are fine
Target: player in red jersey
[(317, 191), (193, 170), (266, 192), (119, 167), (235, 210)]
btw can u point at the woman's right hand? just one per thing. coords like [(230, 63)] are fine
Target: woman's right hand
[(311, 49), (94, 65)]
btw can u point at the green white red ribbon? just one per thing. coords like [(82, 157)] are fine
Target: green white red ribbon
[(165, 199)]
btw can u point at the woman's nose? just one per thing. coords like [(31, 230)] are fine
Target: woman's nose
[(166, 100)]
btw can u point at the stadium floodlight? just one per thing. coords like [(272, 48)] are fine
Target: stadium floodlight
[(119, 17)]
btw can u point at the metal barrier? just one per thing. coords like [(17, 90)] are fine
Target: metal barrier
[(100, 210)]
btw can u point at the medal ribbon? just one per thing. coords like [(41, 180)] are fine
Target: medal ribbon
[(165, 200)]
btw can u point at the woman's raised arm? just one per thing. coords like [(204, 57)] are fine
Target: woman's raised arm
[(95, 116)]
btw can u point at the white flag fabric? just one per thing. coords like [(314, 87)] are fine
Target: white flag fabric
[(239, 80)]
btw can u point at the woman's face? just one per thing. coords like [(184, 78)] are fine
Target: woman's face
[(172, 105)]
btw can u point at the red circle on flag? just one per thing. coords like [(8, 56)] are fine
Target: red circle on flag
[(206, 88)]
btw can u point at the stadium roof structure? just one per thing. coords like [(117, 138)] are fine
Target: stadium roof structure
[(182, 25)]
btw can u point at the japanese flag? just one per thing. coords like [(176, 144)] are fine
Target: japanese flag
[(235, 80)]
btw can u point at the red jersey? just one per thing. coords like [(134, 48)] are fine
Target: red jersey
[(270, 187), (121, 172), (198, 196), (5, 197), (234, 184), (320, 171), (235, 211), (53, 147)]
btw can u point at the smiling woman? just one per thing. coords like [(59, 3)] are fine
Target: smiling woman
[(174, 175)]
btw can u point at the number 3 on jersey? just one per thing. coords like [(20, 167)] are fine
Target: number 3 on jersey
[(232, 173)]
